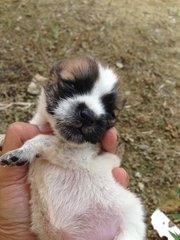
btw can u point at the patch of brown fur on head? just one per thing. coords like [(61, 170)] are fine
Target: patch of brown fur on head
[(75, 68)]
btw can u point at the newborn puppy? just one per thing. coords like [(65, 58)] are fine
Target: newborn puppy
[(73, 193)]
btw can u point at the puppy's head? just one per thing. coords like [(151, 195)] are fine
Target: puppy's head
[(81, 97)]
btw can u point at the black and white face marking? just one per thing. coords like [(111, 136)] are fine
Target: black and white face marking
[(81, 100)]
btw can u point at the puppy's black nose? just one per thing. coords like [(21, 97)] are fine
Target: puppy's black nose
[(87, 116)]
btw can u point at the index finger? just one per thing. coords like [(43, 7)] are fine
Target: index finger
[(20, 132), (17, 134)]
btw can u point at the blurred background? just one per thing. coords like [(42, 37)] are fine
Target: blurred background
[(141, 40)]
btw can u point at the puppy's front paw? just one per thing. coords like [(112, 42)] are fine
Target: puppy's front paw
[(14, 158)]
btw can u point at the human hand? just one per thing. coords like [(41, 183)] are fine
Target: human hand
[(15, 218), (14, 189)]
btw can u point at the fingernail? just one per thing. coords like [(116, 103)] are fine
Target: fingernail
[(113, 131), (125, 177), (45, 128)]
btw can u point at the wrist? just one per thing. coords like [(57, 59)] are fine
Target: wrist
[(12, 237), (16, 234)]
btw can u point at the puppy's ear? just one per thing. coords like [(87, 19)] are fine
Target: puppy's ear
[(52, 87), (59, 74), (62, 71), (55, 72)]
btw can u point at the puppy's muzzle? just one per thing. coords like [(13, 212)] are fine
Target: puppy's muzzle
[(82, 124), (87, 117)]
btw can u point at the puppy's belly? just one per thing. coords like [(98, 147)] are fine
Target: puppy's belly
[(89, 228), (66, 205)]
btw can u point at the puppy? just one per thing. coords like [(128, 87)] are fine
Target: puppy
[(73, 193)]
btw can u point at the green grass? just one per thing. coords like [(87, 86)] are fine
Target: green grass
[(175, 236)]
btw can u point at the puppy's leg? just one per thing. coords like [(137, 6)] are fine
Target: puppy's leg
[(132, 230), (32, 149), (130, 209), (133, 226), (105, 162), (40, 117), (131, 235)]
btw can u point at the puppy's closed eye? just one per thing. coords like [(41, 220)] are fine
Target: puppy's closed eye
[(68, 85)]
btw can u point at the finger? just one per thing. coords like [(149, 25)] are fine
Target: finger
[(45, 128), (16, 135), (121, 176), (19, 132), (109, 140)]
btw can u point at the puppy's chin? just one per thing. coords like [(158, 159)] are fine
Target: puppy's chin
[(81, 135), (71, 134)]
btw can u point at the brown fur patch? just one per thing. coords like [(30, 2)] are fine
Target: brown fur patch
[(78, 68)]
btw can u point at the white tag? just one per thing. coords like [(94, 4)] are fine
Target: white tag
[(163, 225)]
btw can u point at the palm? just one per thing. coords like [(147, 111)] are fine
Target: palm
[(14, 208)]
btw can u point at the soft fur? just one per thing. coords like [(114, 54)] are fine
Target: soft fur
[(74, 195)]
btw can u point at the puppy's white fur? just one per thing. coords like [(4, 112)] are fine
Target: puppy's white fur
[(74, 195)]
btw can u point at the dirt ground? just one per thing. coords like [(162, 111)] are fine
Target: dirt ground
[(141, 40)]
